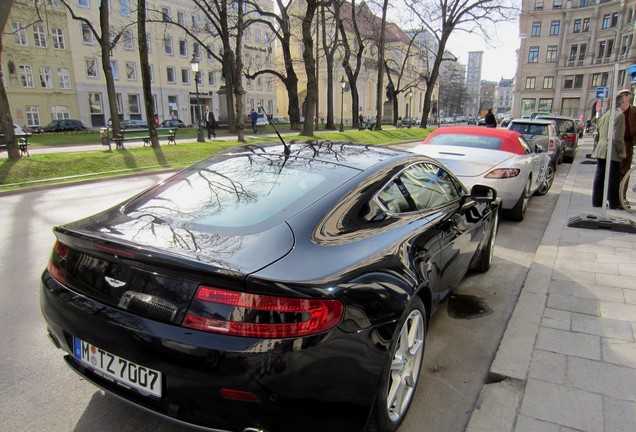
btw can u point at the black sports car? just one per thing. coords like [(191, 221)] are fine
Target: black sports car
[(269, 287)]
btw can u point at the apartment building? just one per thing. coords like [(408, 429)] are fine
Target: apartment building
[(568, 49), (503, 96), (52, 69)]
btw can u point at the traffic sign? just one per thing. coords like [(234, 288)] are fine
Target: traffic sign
[(602, 92)]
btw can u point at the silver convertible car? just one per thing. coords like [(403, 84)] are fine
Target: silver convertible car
[(499, 158)]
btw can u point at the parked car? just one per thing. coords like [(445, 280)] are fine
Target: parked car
[(134, 124), (262, 121), (534, 114), (496, 157), (17, 130), (280, 120), (569, 136), (542, 133), (172, 123), (505, 121), (472, 120), (62, 126), (204, 292)]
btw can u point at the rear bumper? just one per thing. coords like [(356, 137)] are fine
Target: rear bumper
[(317, 383)]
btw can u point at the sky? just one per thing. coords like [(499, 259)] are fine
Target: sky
[(500, 57)]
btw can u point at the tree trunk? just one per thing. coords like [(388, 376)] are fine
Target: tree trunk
[(145, 72), (6, 121), (310, 68)]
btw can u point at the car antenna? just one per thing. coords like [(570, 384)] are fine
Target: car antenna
[(287, 150)]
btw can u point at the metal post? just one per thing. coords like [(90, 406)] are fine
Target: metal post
[(200, 137), (343, 83)]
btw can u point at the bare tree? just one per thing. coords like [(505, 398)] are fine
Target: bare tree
[(145, 72), (106, 46), (310, 67), (6, 121), (330, 44), (443, 17), (380, 83)]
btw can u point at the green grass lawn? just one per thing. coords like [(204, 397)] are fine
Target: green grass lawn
[(62, 167)]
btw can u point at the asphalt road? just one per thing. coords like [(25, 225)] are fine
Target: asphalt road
[(41, 394)]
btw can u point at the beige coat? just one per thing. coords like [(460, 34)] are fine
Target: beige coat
[(600, 151)]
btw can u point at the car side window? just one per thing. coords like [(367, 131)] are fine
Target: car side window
[(525, 145), (421, 186)]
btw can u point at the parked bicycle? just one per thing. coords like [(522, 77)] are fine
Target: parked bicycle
[(627, 190)]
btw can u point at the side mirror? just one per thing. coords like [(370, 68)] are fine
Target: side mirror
[(538, 149), (483, 193)]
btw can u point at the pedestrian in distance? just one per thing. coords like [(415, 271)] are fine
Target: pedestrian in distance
[(617, 153), (254, 117), (210, 122), (490, 119)]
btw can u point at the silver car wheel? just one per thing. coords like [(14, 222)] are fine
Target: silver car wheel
[(405, 367)]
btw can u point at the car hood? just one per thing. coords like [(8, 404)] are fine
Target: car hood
[(465, 161), (214, 251)]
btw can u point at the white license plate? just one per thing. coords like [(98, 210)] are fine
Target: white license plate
[(117, 369)]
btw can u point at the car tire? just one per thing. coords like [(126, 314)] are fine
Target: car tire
[(485, 259), (518, 212), (402, 370), (547, 183)]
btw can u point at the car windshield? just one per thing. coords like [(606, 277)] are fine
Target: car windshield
[(463, 140), (529, 129), (239, 192)]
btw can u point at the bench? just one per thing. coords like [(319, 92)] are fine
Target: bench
[(143, 135), (23, 143)]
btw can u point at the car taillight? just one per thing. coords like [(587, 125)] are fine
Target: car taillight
[(254, 315), (502, 173), (57, 262)]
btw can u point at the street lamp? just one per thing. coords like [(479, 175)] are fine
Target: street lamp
[(343, 84), (410, 96), (194, 63)]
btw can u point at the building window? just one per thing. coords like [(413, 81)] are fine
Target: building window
[(165, 14), (87, 35), (84, 3), (556, 4), (95, 102), (538, 4), (586, 25), (131, 71), (148, 42), (167, 46), (528, 106), (599, 79), (58, 39), (583, 3), (171, 75), (548, 82), (183, 48), (536, 28), (551, 54), (614, 19), (19, 33), (196, 50), (185, 76), (114, 69), (39, 36), (91, 68), (555, 27), (133, 104), (60, 112), (64, 78), (211, 78), (570, 107), (128, 40), (530, 83), (577, 26), (26, 76), (181, 18), (46, 77), (124, 7), (545, 105), (606, 21), (33, 115), (573, 81), (533, 55)]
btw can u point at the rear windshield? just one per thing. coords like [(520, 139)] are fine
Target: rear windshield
[(474, 141), (529, 129), (239, 192)]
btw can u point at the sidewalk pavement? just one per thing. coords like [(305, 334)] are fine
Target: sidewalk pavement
[(567, 360)]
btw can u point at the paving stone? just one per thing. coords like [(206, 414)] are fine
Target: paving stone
[(527, 424), (565, 342), (548, 366), (615, 280), (557, 319), (619, 311), (587, 290), (496, 407), (574, 304), (590, 266), (627, 269), (620, 415), (602, 378), (574, 275), (538, 279), (630, 296), (562, 405), (605, 327), (619, 352)]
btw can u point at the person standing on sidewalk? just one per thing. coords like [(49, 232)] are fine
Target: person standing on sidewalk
[(254, 117), (210, 122), (490, 119), (630, 133), (617, 145)]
